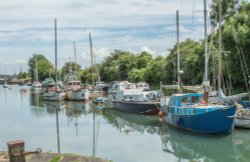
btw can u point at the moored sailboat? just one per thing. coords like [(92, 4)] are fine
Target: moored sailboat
[(53, 92)]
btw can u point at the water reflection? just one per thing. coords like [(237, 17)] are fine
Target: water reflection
[(197, 147), (35, 99), (76, 109), (127, 122), (55, 107)]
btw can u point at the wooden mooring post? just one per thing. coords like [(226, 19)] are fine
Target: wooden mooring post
[(16, 150)]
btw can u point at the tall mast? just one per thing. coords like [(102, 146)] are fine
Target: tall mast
[(205, 39), (74, 45), (56, 52), (219, 52), (178, 51), (91, 56)]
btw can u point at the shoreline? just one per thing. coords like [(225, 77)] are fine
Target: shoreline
[(54, 157)]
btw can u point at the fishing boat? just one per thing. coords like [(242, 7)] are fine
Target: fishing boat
[(73, 89), (189, 112)]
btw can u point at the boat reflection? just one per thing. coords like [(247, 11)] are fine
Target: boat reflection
[(35, 99), (55, 108), (126, 122), (197, 147), (76, 109)]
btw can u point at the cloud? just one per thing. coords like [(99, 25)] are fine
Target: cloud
[(146, 49), (27, 27)]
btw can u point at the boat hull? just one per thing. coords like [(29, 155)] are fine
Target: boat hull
[(220, 121), (77, 95), (137, 107), (53, 96), (242, 123)]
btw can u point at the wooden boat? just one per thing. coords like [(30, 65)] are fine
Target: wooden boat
[(186, 111)]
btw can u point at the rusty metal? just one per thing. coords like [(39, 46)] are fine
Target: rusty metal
[(16, 147), (17, 152)]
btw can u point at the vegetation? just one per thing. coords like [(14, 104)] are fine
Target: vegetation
[(122, 65)]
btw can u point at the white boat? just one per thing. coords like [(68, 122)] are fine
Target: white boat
[(36, 86), (127, 87), (73, 89), (135, 100), (5, 85)]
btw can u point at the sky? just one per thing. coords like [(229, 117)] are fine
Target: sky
[(27, 28)]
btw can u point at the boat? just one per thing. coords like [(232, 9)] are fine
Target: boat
[(116, 86), (189, 112), (5, 85), (52, 91), (73, 89), (36, 86), (100, 100), (139, 102)]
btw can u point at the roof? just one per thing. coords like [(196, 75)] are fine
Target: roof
[(187, 94)]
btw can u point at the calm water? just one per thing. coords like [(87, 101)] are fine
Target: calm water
[(83, 128)]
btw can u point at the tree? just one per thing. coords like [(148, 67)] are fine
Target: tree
[(44, 67), (70, 67)]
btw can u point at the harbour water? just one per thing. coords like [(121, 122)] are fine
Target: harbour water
[(86, 129)]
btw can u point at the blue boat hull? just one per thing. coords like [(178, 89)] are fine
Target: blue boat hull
[(137, 107), (220, 121)]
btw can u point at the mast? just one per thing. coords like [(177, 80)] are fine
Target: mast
[(219, 52), (178, 51), (91, 56), (36, 70), (205, 39), (56, 53), (74, 45)]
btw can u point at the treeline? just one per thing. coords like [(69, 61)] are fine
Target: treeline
[(135, 67)]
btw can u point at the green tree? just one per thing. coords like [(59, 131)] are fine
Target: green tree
[(70, 67), (44, 67)]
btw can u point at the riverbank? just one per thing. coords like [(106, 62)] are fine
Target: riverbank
[(54, 157)]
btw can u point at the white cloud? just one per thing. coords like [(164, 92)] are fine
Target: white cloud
[(27, 27), (146, 49)]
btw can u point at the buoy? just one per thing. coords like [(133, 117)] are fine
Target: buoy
[(161, 114), (202, 102)]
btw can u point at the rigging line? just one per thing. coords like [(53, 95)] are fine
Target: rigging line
[(241, 62), (180, 4), (227, 77), (242, 56)]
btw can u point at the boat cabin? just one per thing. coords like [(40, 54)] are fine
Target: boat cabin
[(185, 99)]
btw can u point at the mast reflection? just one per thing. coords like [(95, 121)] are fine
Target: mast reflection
[(198, 147)]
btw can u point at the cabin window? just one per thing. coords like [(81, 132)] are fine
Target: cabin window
[(195, 99), (184, 100)]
